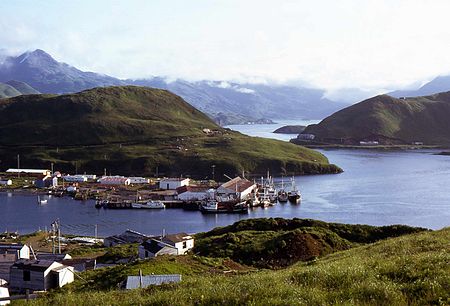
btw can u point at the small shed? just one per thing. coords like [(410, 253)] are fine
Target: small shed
[(39, 275), (134, 282)]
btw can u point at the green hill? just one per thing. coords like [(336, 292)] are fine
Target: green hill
[(389, 120), (136, 130), (411, 269), (7, 91)]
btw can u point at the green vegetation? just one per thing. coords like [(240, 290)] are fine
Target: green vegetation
[(411, 269), (277, 242), (135, 130), (389, 121)]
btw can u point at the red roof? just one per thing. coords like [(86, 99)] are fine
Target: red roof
[(191, 189)]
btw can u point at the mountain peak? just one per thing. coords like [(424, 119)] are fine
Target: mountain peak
[(37, 55)]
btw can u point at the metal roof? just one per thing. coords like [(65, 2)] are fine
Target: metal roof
[(133, 282)]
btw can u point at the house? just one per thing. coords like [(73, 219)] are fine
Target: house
[(6, 261), (114, 180), (6, 182), (139, 180), (20, 251), (80, 264), (32, 172), (129, 236), (9, 254), (39, 275), (75, 178), (43, 181), (134, 282), (238, 186), (152, 248), (194, 193), (177, 244), (173, 183)]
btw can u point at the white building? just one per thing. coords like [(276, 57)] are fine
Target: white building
[(114, 180), (139, 180), (6, 182), (194, 193), (173, 183), (38, 275), (237, 186), (30, 171), (75, 178), (92, 177)]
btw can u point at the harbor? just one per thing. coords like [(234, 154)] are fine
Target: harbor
[(377, 188)]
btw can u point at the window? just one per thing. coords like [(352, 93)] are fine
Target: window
[(184, 244), (26, 275)]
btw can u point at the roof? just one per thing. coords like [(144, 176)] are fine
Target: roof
[(238, 184), (154, 246), (192, 189), (177, 237), (33, 265), (134, 282), (52, 257), (27, 170), (15, 246), (174, 179)]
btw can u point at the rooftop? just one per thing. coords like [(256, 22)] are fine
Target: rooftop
[(238, 183), (134, 282)]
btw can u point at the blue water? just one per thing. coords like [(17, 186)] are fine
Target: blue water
[(377, 188)]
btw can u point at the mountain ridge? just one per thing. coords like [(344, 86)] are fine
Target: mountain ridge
[(250, 101)]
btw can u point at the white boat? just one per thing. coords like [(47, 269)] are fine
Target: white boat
[(149, 205), (41, 202), (294, 195)]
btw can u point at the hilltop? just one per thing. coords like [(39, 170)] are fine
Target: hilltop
[(134, 130), (389, 120), (378, 270)]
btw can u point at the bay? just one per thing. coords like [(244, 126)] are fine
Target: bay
[(376, 188)]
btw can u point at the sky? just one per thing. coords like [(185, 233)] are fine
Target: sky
[(341, 46)]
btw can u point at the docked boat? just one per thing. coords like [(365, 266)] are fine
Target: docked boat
[(149, 205), (282, 194), (214, 207), (294, 195)]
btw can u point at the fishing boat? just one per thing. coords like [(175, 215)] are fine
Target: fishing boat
[(149, 205), (294, 195), (41, 202), (214, 206), (254, 202), (282, 194)]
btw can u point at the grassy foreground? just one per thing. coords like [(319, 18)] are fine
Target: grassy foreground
[(411, 269)]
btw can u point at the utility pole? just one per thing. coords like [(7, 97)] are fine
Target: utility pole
[(52, 167), (18, 165)]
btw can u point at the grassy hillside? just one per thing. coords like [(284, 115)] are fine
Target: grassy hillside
[(134, 130), (390, 121), (411, 269), (7, 91), (281, 242)]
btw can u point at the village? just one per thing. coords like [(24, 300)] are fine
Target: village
[(236, 195), (41, 261), (47, 259)]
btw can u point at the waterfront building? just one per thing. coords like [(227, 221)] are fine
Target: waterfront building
[(139, 180), (173, 183), (238, 186), (114, 180), (194, 193)]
